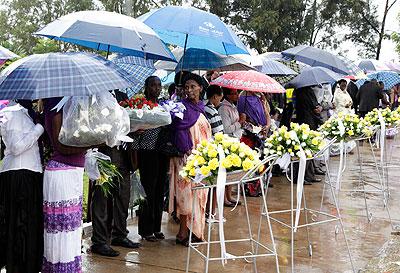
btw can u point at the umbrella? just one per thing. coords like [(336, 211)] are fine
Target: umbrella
[(393, 66), (295, 66), (139, 70), (202, 59), (250, 81), (311, 76), (108, 31), (371, 65), (60, 74), (272, 55), (190, 27), (389, 78), (273, 67), (6, 54), (318, 57), (252, 59)]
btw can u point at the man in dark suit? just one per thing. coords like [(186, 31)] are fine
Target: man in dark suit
[(109, 214), (368, 97)]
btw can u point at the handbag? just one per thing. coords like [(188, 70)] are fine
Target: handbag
[(165, 145)]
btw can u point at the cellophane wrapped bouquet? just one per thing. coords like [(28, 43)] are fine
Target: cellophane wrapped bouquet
[(204, 161), (284, 141), (145, 114), (345, 127), (94, 120)]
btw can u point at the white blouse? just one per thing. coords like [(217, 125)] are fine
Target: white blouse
[(20, 136)]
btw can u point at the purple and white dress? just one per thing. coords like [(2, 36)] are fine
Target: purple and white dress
[(62, 209)]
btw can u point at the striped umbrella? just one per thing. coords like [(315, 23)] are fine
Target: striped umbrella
[(60, 74), (139, 70)]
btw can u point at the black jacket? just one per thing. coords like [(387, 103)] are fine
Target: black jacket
[(368, 97), (306, 102)]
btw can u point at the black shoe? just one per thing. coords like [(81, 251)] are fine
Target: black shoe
[(316, 180), (319, 172), (125, 242), (306, 182), (104, 250)]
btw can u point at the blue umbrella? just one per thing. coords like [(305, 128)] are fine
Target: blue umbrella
[(190, 27), (6, 54), (139, 70), (371, 65), (203, 59), (108, 31), (318, 57), (311, 76), (60, 74), (389, 79), (275, 68)]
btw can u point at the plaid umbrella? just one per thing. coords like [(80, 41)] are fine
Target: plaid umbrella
[(295, 66), (60, 74), (139, 70), (6, 54), (389, 79), (274, 68)]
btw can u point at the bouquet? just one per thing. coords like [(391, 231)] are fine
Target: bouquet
[(392, 118), (204, 161), (344, 127), (284, 141), (144, 114), (99, 168), (94, 120)]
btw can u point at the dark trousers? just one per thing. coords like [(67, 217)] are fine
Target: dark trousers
[(109, 214), (362, 113), (153, 168), (309, 174)]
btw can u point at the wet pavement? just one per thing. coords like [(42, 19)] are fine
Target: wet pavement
[(329, 253)]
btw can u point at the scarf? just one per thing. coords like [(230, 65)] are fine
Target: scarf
[(181, 135), (252, 106)]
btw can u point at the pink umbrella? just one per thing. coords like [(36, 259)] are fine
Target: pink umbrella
[(250, 81)]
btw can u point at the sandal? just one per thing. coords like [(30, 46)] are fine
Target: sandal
[(150, 238), (159, 235)]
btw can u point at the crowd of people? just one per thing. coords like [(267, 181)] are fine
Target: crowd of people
[(41, 196)]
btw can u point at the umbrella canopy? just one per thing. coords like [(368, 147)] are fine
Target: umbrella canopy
[(371, 65), (252, 59), (203, 59), (311, 76), (393, 66), (108, 31), (389, 79), (6, 54), (273, 67), (190, 27), (295, 66), (60, 74), (250, 81), (318, 57), (139, 70), (272, 55)]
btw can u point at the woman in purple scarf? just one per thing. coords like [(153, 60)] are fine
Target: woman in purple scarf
[(188, 133), (256, 109)]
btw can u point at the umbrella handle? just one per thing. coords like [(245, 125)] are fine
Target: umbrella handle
[(183, 59)]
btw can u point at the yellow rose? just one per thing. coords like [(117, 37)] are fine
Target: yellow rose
[(234, 147), (204, 143), (192, 172), (213, 164), (226, 163), (212, 153), (219, 137), (200, 160), (350, 132), (205, 170), (247, 164), (236, 161), (315, 141)]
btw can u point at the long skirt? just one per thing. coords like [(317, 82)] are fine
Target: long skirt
[(21, 224), (62, 209)]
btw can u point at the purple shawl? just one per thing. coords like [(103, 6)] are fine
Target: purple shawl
[(181, 137), (252, 106)]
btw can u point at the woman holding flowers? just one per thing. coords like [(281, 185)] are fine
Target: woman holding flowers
[(153, 166), (188, 133), (62, 199)]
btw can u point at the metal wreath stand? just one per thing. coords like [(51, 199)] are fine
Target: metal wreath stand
[(315, 214), (363, 186), (254, 243)]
